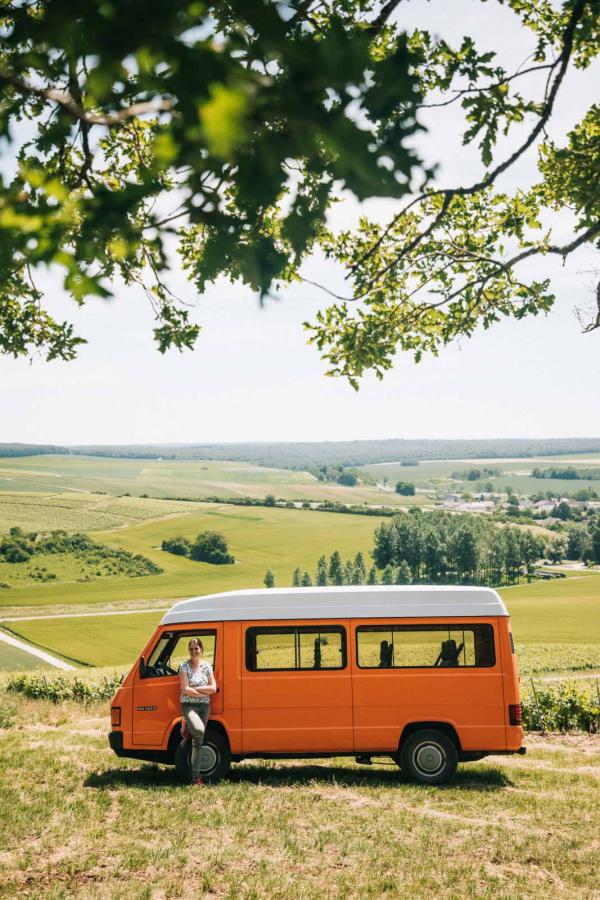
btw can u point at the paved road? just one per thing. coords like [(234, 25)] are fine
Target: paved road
[(41, 654)]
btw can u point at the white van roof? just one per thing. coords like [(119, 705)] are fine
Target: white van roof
[(360, 602)]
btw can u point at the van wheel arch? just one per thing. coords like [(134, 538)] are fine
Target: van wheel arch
[(444, 727)]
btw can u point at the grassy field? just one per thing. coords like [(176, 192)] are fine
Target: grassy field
[(259, 538), (81, 511), (516, 473), (195, 479), (14, 660), (556, 626), (80, 823)]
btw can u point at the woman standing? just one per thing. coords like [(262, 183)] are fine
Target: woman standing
[(197, 684)]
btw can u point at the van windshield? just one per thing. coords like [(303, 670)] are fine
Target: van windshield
[(172, 649)]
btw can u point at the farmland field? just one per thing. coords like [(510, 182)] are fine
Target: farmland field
[(516, 473), (80, 511), (109, 827), (14, 660), (193, 479), (259, 538), (557, 624), (556, 627)]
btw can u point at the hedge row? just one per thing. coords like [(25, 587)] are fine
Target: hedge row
[(564, 706), (58, 688)]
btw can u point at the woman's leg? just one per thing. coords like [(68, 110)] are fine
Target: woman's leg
[(196, 722)]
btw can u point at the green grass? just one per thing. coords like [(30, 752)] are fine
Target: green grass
[(564, 611), (14, 660), (556, 630), (538, 659), (81, 511), (78, 822), (195, 479), (516, 473), (93, 640), (259, 538)]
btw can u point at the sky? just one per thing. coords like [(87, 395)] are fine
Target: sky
[(252, 375)]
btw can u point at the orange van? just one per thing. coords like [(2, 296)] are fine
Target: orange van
[(425, 675)]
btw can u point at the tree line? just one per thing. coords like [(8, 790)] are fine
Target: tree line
[(444, 548), (567, 473)]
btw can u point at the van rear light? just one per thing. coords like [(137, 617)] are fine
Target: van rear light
[(515, 714), (115, 715)]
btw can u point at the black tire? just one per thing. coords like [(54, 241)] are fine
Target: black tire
[(216, 758), (429, 756)]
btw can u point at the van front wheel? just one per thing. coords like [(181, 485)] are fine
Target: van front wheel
[(215, 759), (429, 757)]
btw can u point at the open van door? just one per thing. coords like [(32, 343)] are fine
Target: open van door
[(156, 691)]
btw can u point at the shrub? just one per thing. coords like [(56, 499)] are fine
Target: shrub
[(15, 551), (211, 547), (565, 706), (19, 548), (179, 545), (58, 688)]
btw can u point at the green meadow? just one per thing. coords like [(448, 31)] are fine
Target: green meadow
[(556, 626), (81, 511), (259, 538), (515, 473), (188, 479), (77, 822)]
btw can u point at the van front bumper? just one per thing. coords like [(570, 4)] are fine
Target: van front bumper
[(115, 740)]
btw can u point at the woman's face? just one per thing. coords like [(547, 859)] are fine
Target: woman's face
[(195, 648)]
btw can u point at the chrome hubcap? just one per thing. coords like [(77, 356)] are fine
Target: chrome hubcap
[(429, 758), (208, 758)]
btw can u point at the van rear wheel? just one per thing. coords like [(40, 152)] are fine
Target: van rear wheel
[(215, 758), (429, 756)]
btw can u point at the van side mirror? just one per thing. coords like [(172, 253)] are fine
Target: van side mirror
[(142, 668)]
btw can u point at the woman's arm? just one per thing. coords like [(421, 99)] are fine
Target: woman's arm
[(211, 687), (185, 685), (189, 691)]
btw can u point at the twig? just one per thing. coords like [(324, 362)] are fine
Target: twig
[(67, 102), (488, 180)]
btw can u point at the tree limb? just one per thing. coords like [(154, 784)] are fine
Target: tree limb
[(76, 111), (449, 193), (489, 87)]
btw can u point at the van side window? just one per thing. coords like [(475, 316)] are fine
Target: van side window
[(295, 647), (425, 646), (172, 649)]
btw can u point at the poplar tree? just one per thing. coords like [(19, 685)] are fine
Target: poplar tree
[(335, 568), (269, 579), (322, 577)]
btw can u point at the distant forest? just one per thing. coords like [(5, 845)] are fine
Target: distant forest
[(313, 455)]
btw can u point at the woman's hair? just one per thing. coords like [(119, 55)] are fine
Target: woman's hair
[(198, 641)]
